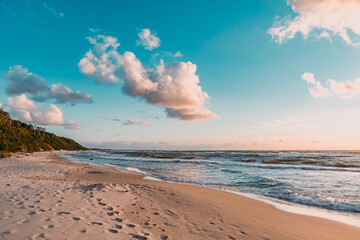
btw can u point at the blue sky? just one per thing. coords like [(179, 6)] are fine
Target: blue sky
[(258, 99)]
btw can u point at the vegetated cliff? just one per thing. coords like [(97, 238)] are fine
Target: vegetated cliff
[(16, 136)]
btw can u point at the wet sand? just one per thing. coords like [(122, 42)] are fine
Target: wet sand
[(42, 196)]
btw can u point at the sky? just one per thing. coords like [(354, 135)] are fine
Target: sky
[(193, 75)]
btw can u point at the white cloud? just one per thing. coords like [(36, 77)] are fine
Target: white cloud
[(99, 62), (64, 94), (174, 55), (24, 109), (94, 29), (338, 17), (148, 40), (72, 125), (317, 90), (22, 81), (53, 11), (136, 122), (345, 90), (174, 86)]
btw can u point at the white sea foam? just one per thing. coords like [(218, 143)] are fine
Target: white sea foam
[(305, 210), (135, 170)]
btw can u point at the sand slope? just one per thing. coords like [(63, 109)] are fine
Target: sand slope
[(35, 203), (43, 197)]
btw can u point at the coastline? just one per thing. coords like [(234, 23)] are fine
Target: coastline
[(291, 207), (166, 210)]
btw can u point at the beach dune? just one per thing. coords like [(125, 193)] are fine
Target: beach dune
[(42, 196)]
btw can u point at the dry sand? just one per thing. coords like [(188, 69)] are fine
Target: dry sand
[(44, 197)]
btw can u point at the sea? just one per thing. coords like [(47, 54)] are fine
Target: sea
[(317, 183)]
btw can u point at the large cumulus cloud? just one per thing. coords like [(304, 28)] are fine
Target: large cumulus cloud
[(336, 17), (175, 86), (22, 81)]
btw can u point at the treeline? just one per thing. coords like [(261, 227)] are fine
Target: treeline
[(16, 136)]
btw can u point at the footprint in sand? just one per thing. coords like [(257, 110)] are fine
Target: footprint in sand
[(31, 213), (96, 223), (40, 236), (48, 226), (76, 218), (47, 219), (5, 232), (118, 219), (137, 236), (62, 213)]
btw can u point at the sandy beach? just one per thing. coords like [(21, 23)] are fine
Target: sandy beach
[(42, 196)]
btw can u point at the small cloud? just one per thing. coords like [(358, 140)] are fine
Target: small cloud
[(147, 39), (116, 119), (317, 90), (94, 30), (136, 122), (53, 11), (345, 90), (72, 125), (100, 63), (63, 94), (174, 55)]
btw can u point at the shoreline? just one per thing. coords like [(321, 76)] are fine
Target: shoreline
[(158, 210), (290, 207)]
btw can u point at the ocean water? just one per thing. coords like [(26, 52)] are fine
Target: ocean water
[(327, 180)]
